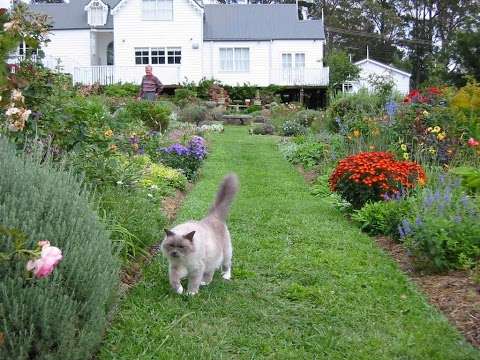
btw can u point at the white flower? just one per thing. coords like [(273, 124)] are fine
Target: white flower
[(26, 114), (119, 182), (17, 95), (150, 195), (154, 187), (12, 128), (12, 111), (8, 25)]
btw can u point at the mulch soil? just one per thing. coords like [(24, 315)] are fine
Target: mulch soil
[(455, 294)]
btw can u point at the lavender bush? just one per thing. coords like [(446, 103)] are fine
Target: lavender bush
[(185, 158), (444, 231)]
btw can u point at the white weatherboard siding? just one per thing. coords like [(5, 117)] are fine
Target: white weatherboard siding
[(401, 80), (186, 29), (257, 73), (265, 66), (71, 46)]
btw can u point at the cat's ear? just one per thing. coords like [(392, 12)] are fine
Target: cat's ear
[(168, 232), (189, 236)]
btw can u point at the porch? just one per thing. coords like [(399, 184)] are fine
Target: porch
[(172, 75), (112, 74)]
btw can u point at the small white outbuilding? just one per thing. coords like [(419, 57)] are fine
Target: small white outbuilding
[(369, 67)]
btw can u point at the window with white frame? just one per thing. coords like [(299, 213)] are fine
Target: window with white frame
[(26, 51), (235, 59), (293, 60), (174, 55), (142, 56), (157, 10), (158, 56)]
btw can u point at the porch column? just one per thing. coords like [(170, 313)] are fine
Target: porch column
[(93, 47)]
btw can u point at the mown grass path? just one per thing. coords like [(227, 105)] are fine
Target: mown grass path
[(306, 283)]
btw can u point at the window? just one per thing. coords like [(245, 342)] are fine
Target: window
[(97, 13), (157, 9), (300, 61), (174, 55), (26, 51), (141, 56), (347, 87), (158, 56), (235, 59), (289, 63)]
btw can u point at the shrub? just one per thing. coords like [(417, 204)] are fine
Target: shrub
[(470, 177), (155, 115), (293, 128), (64, 315), (308, 153), (133, 217), (121, 90), (184, 96), (263, 129), (186, 158), (369, 176), (307, 117), (242, 92), (253, 108), (443, 232), (158, 175), (383, 217), (195, 114)]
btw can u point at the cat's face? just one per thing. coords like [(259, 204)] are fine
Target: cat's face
[(176, 246)]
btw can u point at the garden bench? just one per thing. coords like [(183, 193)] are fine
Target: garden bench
[(237, 119)]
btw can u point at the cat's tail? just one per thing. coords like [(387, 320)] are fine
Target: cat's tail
[(226, 193)]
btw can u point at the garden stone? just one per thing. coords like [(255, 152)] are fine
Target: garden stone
[(237, 119)]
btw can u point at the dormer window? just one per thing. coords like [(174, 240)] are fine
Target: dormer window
[(157, 10), (97, 13)]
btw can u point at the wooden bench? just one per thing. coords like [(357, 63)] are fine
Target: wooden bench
[(237, 119)]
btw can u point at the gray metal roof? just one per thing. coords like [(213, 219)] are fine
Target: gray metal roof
[(221, 22), (258, 22), (72, 15)]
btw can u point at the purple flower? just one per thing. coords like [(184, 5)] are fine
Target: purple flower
[(418, 221), (391, 108), (134, 139), (178, 149)]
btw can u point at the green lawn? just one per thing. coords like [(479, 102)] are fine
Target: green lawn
[(306, 283)]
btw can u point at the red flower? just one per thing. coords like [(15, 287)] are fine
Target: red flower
[(370, 175), (472, 142)]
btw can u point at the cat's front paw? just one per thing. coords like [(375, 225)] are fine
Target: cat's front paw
[(191, 293), (179, 290)]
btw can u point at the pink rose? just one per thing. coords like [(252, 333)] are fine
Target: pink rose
[(49, 259), (472, 142)]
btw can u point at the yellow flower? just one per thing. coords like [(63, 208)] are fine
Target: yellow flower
[(108, 133), (425, 113), (135, 146), (403, 147), (372, 147), (421, 181), (437, 129), (441, 136), (375, 132), (406, 156), (113, 147), (432, 151), (349, 137), (356, 133), (429, 129)]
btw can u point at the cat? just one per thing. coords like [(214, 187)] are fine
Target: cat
[(195, 249)]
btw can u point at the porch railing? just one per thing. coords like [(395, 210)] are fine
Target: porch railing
[(300, 76), (112, 74)]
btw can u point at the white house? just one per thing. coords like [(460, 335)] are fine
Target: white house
[(109, 41), (369, 67)]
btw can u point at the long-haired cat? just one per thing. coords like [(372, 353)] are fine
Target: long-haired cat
[(195, 249)]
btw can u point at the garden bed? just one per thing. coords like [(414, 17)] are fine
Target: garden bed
[(455, 294)]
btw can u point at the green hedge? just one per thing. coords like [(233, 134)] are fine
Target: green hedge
[(61, 316)]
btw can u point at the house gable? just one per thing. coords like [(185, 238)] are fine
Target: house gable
[(382, 65), (122, 3)]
